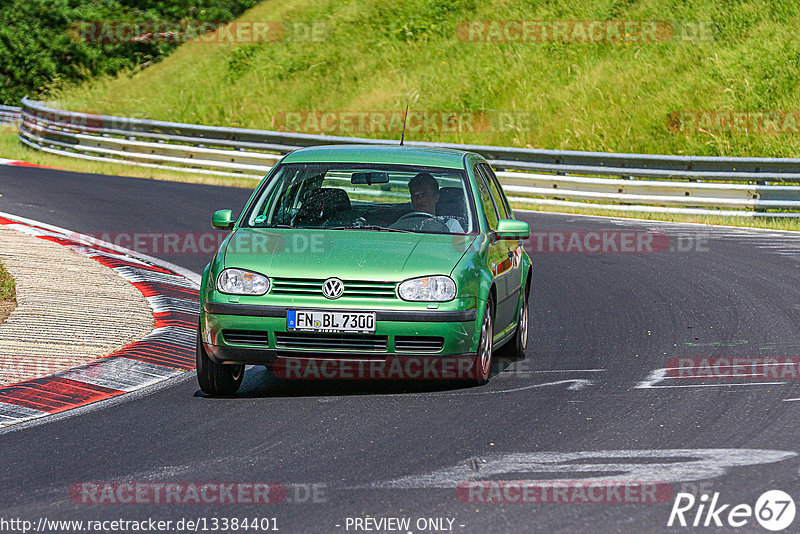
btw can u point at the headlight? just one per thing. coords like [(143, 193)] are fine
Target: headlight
[(428, 288), (239, 282)]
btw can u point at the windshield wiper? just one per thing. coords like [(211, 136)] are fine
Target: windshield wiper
[(373, 227), (281, 225)]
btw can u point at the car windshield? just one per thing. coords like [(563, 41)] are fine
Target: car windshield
[(368, 197)]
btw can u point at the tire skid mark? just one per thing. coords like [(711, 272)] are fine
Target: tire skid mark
[(166, 352)]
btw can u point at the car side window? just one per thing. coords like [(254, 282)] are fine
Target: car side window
[(496, 189), (487, 203)]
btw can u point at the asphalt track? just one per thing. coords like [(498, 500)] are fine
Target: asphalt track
[(602, 325)]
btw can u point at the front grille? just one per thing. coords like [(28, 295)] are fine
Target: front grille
[(418, 343), (345, 342), (352, 288), (246, 337)]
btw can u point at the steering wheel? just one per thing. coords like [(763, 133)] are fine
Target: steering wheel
[(414, 214), (429, 222)]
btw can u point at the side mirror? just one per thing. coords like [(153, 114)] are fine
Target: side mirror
[(222, 219), (511, 229)]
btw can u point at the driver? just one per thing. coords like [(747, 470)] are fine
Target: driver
[(424, 192)]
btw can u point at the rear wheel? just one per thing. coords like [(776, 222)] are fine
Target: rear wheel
[(482, 365), (216, 378)]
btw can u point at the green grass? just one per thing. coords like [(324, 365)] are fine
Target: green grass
[(383, 55), (7, 284)]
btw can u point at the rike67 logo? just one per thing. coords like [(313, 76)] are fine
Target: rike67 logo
[(774, 510)]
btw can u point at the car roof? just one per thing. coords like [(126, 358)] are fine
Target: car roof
[(391, 154)]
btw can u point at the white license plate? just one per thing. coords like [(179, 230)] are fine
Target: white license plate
[(330, 321)]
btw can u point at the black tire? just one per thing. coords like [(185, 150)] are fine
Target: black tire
[(482, 364), (217, 378), (515, 349)]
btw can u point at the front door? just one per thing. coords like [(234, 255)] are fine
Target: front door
[(498, 254)]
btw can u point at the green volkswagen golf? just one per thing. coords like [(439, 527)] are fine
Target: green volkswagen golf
[(366, 262)]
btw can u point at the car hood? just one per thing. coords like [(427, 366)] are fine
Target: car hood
[(346, 254)]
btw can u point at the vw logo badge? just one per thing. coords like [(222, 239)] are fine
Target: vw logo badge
[(333, 288)]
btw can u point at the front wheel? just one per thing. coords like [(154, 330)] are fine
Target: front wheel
[(482, 365), (516, 347), (216, 378)]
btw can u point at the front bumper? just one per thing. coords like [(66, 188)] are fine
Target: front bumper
[(456, 328)]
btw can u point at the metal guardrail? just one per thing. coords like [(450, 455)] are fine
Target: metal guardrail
[(631, 182), (9, 115)]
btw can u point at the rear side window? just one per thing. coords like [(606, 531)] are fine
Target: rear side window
[(487, 203), (503, 209)]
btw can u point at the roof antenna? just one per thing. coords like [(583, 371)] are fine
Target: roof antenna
[(403, 135)]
